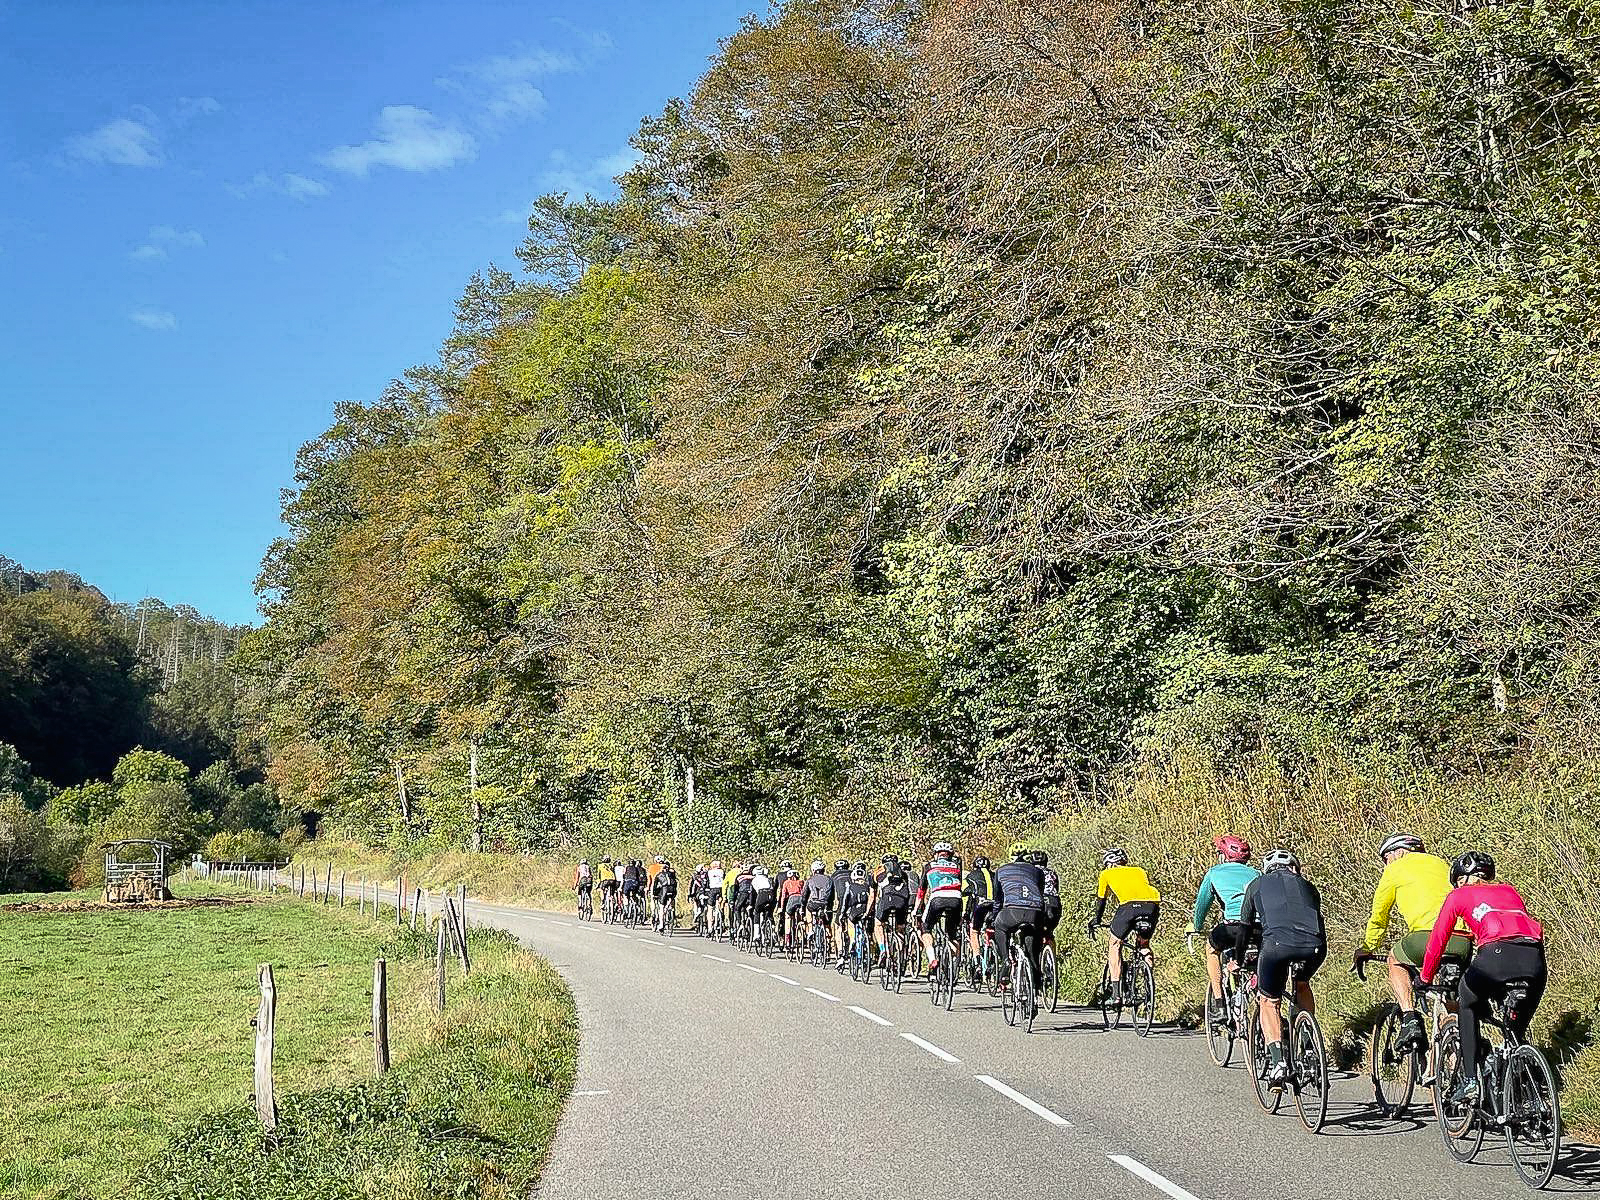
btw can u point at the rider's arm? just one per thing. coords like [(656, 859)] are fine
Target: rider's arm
[(1102, 889), (1382, 903), (1443, 927), (1202, 903), (1247, 920)]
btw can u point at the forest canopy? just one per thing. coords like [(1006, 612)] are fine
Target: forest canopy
[(964, 405)]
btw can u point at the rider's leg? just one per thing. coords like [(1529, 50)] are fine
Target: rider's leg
[(1113, 959), (1400, 984), (1304, 997), (1214, 971)]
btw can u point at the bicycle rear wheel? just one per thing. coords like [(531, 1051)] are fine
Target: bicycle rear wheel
[(1394, 1075), (1267, 1096), (1533, 1111), (1027, 995), (1459, 1125), (1219, 1038), (1310, 1072), (1110, 1010), (1049, 978), (1144, 997), (1008, 995)]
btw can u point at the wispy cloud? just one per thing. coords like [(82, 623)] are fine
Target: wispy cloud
[(124, 142), (163, 238), (189, 107), (157, 319), (563, 174), (296, 187), (302, 187), (407, 138), (501, 89)]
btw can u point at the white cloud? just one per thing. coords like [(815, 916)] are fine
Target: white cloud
[(303, 188), (158, 319), (561, 174), (124, 142), (407, 138), (501, 89), (196, 106), (163, 238)]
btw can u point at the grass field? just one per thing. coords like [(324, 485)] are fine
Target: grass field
[(123, 1028)]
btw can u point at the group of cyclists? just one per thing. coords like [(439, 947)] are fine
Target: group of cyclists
[(1269, 924)]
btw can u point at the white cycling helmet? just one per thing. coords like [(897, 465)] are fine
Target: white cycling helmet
[(943, 848), (1399, 841), (817, 865), (1280, 860)]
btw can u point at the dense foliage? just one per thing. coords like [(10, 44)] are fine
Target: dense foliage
[(964, 404)]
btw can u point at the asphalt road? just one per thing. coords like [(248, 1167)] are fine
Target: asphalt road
[(704, 1072)]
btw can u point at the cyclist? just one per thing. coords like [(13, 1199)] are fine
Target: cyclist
[(979, 891), (1137, 900), (894, 901), (1416, 883), (1050, 918), (608, 879), (817, 893), (584, 883), (939, 899), (841, 882), (664, 891), (1509, 946), (791, 901), (633, 882), (716, 880), (700, 891), (762, 894), (1018, 907), (653, 870), (1224, 885), (1288, 910), (857, 909), (741, 890)]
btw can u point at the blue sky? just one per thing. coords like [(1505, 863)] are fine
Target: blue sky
[(219, 219)]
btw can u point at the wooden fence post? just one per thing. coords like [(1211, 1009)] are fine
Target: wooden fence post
[(380, 1015), (361, 897), (458, 935), (399, 900), (266, 1105), (341, 889), (438, 967), (416, 903), (461, 911)]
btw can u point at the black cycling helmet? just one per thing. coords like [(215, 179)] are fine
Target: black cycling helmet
[(841, 864), (859, 865), (981, 862), (1473, 862), (886, 860), (1041, 859)]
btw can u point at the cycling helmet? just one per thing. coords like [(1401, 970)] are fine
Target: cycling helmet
[(858, 873), (981, 862), (583, 862), (1473, 862), (1281, 860), (1019, 849), (787, 865), (858, 866), (841, 865), (605, 860), (1399, 841), (1041, 859), (1114, 857), (944, 848), (716, 864), (817, 865), (886, 860), (1233, 848)]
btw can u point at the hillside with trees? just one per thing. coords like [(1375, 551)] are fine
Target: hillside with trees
[(966, 412)]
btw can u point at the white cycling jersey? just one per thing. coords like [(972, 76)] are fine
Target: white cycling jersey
[(761, 882), (714, 879)]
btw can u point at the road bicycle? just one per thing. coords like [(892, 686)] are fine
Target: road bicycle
[(1305, 1055), (585, 907), (1516, 1095), (700, 907), (1049, 976), (764, 936), (983, 968), (892, 974), (942, 989), (741, 930), (1393, 1070), (608, 906), (1138, 981), (859, 958), (819, 946), (1232, 1028), (666, 917), (632, 911), (1019, 1003)]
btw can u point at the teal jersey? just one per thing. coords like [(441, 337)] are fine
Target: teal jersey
[(1224, 884)]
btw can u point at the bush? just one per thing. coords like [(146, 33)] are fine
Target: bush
[(248, 845)]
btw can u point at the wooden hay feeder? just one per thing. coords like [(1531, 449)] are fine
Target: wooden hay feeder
[(136, 871)]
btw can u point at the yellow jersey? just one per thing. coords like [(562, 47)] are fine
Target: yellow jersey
[(1416, 884), (1127, 884), (608, 873)]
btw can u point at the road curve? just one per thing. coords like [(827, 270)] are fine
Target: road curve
[(704, 1072)]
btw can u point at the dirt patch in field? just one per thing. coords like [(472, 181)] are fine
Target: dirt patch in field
[(100, 906)]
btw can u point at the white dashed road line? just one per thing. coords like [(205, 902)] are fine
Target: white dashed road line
[(784, 979), (1033, 1106), (869, 1015), (824, 995), (681, 949), (1155, 1180), (930, 1048), (625, 937), (748, 967), (714, 957)]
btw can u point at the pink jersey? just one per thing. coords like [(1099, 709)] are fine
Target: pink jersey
[(1491, 912)]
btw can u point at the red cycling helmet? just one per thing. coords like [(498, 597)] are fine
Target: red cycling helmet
[(1233, 848)]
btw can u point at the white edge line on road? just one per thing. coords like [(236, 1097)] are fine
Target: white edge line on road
[(1028, 1103), (596, 1092), (930, 1048), (714, 957), (748, 967), (1155, 1180), (681, 949), (824, 995), (784, 979), (870, 1015)]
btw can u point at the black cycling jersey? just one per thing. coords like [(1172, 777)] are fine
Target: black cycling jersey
[(858, 895), (1287, 908), (1052, 883), (894, 889), (841, 882), (979, 885), (818, 891), (1019, 885), (666, 884)]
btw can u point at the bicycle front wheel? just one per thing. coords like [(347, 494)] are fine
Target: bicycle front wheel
[(1027, 996), (1110, 1009), (1459, 1125), (1008, 997), (1310, 1072), (1144, 997), (1219, 1040), (1533, 1116), (1049, 979), (1393, 1074)]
